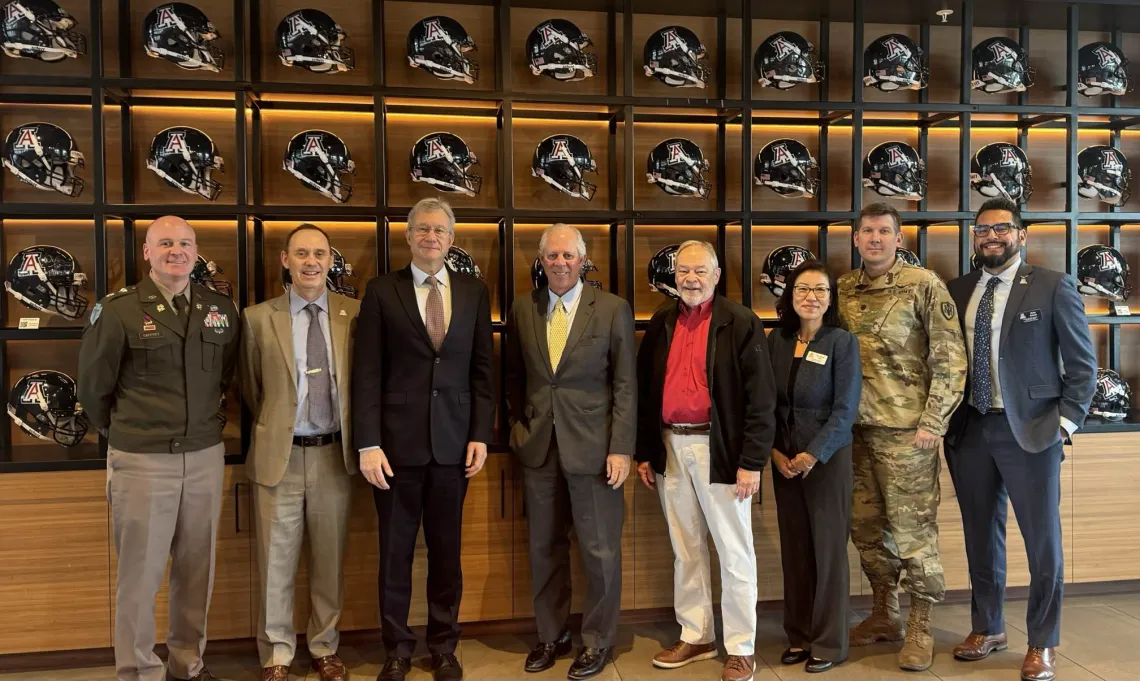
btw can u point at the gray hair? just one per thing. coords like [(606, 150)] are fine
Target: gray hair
[(558, 226), (428, 205), (708, 248)]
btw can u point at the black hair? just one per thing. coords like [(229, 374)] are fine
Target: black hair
[(1002, 203), (789, 320)]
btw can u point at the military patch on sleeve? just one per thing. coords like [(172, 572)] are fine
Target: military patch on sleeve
[(948, 311), (95, 312)]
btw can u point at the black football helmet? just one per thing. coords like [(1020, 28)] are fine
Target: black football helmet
[(44, 404), (1102, 272), (1103, 173), (556, 48), (538, 274), (1113, 397), (40, 29), (675, 56), (663, 271), (186, 158), (894, 170), (785, 59), (908, 256), (181, 33), (787, 168), (442, 159), (334, 278), (1001, 65), (780, 263), (438, 45), (47, 279), (459, 260), (311, 39), (205, 273), (561, 161), (677, 166), (1002, 169), (318, 159), (44, 156), (1102, 69), (894, 62)]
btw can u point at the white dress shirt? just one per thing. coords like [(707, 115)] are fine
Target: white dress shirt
[(569, 302), (300, 321), (419, 277)]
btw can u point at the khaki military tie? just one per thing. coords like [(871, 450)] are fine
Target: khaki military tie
[(182, 307), (556, 337)]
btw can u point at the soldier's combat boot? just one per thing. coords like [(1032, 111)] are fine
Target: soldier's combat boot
[(883, 624), (917, 653)]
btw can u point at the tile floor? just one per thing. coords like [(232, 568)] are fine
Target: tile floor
[(1100, 640)]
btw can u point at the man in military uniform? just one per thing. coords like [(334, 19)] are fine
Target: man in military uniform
[(914, 373), (154, 362)]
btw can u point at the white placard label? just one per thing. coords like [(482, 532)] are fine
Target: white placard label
[(29, 322)]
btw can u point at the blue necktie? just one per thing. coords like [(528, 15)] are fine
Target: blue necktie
[(983, 387)]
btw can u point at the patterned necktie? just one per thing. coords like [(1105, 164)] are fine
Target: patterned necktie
[(556, 338), (317, 373), (983, 387), (433, 314), (182, 307)]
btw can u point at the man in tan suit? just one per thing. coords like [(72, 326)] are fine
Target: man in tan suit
[(295, 369)]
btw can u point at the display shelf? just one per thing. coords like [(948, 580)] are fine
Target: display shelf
[(1130, 423)]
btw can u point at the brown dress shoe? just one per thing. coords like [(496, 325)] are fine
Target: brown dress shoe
[(276, 673), (1040, 665), (330, 668), (681, 654), (738, 668), (979, 646)]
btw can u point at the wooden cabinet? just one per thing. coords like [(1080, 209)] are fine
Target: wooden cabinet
[(1103, 542)]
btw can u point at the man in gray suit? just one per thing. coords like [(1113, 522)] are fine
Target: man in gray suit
[(1032, 376), (571, 388)]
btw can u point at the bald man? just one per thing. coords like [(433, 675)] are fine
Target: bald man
[(155, 360)]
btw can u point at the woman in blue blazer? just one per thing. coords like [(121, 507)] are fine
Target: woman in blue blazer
[(818, 383)]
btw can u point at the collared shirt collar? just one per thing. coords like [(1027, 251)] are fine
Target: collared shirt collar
[(297, 303), (1007, 275), (887, 278), (167, 293), (702, 310), (567, 298), (419, 276)]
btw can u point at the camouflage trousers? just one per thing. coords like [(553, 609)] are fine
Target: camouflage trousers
[(894, 511)]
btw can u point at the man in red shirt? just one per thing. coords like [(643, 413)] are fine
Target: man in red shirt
[(706, 422)]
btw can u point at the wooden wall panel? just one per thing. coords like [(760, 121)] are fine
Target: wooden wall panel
[(1046, 151), (24, 357), (942, 170), (355, 18), (356, 130), (534, 193), (478, 132), (945, 55), (646, 136), (1049, 50), (839, 61), (644, 25), (1104, 544), (480, 240), (593, 24), (802, 92), (218, 124), (765, 198), (76, 120), (77, 237), (399, 17), (942, 250)]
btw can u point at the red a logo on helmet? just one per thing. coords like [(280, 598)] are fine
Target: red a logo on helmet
[(175, 142), (675, 154), (783, 47), (781, 155), (1107, 261), (30, 265), (671, 41), (1105, 56), (1109, 386), (550, 35), (797, 259), (1003, 52), (895, 49), (561, 151), (313, 146), (433, 31), (895, 156), (1009, 157), (26, 139), (166, 17), (1111, 161), (435, 149), (34, 393)]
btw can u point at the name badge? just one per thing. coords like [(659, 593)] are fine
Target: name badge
[(815, 357), (1029, 316)]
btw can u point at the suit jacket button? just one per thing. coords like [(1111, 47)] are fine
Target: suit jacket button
[(437, 360), (435, 393)]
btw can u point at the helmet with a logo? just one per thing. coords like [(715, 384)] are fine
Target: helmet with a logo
[(205, 273), (186, 158), (786, 167), (780, 263), (895, 170), (40, 29), (309, 38), (786, 59), (562, 161), (677, 166), (439, 45), (45, 405), (1102, 68), (1113, 397), (675, 56), (318, 159), (182, 34), (538, 274), (459, 260), (339, 270), (907, 256), (1103, 173), (557, 48), (893, 62), (44, 156), (47, 279), (663, 271), (1103, 272), (1001, 65), (1002, 169), (443, 159)]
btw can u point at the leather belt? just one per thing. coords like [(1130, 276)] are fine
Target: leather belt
[(316, 440), (993, 410), (691, 429)]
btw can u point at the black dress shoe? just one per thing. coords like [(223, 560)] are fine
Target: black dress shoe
[(817, 664), (446, 668), (794, 656), (543, 655), (589, 662), (395, 669)]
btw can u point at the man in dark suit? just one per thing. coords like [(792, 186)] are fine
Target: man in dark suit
[(571, 388), (423, 406), (1005, 441)]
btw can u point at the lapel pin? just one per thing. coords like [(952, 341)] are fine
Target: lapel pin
[(198, 306), (160, 307), (150, 297), (343, 313), (1023, 280)]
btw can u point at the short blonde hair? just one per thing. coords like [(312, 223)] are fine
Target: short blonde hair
[(429, 205)]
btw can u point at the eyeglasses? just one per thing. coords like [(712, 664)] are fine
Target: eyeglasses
[(424, 230), (1000, 229), (818, 291)]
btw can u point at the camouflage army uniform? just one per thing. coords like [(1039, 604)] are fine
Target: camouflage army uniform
[(914, 374)]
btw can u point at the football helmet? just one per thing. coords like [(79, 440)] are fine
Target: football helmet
[(556, 48), (47, 279), (538, 274), (561, 161), (309, 38), (44, 404), (893, 62), (1001, 65), (318, 159), (459, 260), (40, 29), (44, 156), (186, 158), (438, 45), (663, 271), (780, 263), (1102, 68), (1102, 272), (1103, 173), (205, 273), (894, 170), (786, 167), (1113, 397), (785, 59), (908, 256), (675, 56), (442, 160), (1002, 169), (181, 33), (334, 278), (677, 166)]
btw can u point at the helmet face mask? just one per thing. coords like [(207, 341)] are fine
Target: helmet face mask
[(44, 156), (677, 166), (182, 34), (675, 56), (1102, 272), (47, 279), (1000, 66), (205, 273), (1113, 397), (41, 30), (438, 45), (1002, 169), (186, 158), (786, 59), (45, 406), (442, 159), (318, 159), (459, 260), (894, 62), (556, 49), (309, 38), (894, 170), (561, 161), (787, 167), (780, 263)]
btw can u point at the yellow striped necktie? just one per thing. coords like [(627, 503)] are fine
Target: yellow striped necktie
[(556, 338)]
